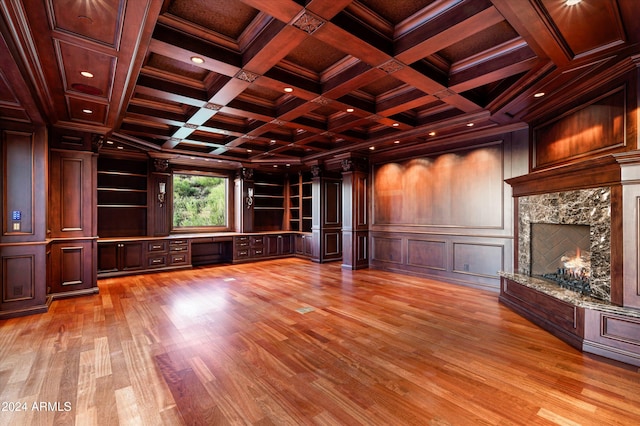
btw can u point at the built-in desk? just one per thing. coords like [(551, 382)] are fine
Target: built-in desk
[(133, 255), (586, 323)]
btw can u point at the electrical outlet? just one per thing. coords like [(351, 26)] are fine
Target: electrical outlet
[(16, 226)]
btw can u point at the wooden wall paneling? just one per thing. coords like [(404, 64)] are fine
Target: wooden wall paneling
[(23, 272), (72, 194), (331, 219), (463, 188), (612, 336), (160, 212), (23, 246), (484, 260), (429, 254), (631, 243), (355, 224), (584, 132), (24, 176), (386, 249)]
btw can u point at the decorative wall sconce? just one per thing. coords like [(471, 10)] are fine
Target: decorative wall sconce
[(162, 186), (249, 199)]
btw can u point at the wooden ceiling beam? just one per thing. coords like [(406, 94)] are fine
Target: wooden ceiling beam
[(458, 23)]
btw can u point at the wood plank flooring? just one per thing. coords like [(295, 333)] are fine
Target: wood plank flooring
[(290, 342)]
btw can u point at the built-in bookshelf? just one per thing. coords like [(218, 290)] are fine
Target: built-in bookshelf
[(269, 202), (122, 197), (300, 202)]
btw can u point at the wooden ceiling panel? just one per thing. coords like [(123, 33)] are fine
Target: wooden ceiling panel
[(396, 11), (75, 60), (98, 20), (226, 17), (576, 24), (315, 55), (178, 68), (86, 111)]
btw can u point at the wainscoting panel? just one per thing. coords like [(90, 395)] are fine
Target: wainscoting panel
[(467, 260), (478, 259), (427, 254), (386, 249)]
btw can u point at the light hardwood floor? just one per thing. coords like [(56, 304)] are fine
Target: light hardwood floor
[(290, 342)]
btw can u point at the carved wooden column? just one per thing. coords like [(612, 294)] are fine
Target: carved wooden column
[(243, 203), (355, 223)]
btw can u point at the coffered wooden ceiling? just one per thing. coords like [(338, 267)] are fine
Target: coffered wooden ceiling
[(364, 73)]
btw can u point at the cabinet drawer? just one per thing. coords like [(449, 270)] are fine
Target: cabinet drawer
[(177, 242), (242, 253), (178, 259), (175, 249), (156, 261), (156, 246), (242, 244), (257, 252), (242, 239), (257, 240)]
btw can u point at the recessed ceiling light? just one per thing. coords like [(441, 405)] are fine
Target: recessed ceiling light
[(432, 133), (110, 142), (469, 124), (275, 165), (249, 150), (395, 124), (87, 111), (120, 147), (197, 60), (372, 148), (350, 109), (572, 2), (396, 141), (272, 142), (288, 89), (539, 95), (86, 74)]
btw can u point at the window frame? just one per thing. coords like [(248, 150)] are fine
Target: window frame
[(228, 203)]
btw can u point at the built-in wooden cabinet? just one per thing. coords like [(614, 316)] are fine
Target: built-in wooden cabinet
[(122, 196), (121, 256), (263, 246), (72, 222), (278, 245)]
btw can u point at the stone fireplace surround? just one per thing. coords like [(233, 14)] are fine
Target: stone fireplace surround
[(592, 193), (579, 207)]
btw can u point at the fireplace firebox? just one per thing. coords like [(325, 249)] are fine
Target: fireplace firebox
[(562, 254)]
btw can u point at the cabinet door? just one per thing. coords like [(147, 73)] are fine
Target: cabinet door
[(287, 244), (71, 266), (131, 256), (107, 257), (273, 248)]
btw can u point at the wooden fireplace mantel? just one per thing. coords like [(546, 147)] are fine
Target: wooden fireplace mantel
[(602, 171)]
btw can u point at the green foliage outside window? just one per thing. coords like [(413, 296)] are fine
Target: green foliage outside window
[(199, 200)]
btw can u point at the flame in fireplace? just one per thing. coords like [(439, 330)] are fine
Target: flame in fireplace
[(580, 264)]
